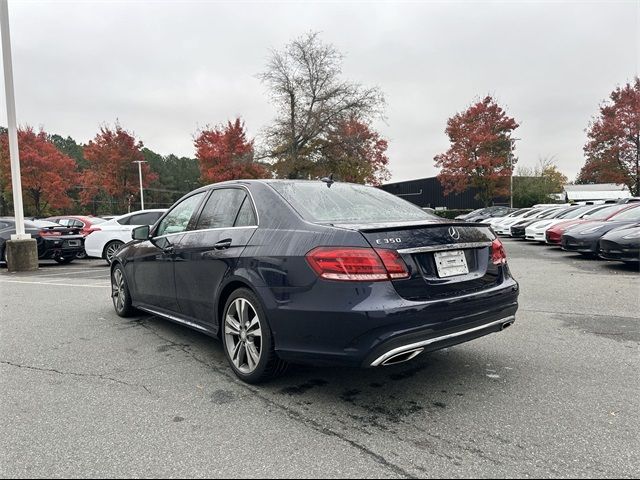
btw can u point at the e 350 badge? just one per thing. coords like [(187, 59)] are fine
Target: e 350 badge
[(386, 241)]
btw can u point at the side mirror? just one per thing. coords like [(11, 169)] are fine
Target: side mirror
[(141, 233)]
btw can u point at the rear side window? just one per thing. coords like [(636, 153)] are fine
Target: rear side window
[(148, 218), (226, 208), (347, 203)]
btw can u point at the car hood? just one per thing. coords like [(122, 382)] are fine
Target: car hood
[(619, 234), (597, 228)]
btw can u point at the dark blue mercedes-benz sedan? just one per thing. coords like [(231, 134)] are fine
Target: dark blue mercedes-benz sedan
[(317, 272)]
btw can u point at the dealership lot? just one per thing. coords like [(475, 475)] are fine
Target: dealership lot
[(84, 392)]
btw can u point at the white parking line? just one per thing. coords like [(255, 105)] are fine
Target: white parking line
[(56, 284), (68, 273)]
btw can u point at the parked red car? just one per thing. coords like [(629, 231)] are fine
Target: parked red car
[(87, 225), (553, 235)]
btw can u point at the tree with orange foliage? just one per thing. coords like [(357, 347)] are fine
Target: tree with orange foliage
[(47, 174), (613, 146), (110, 156), (481, 151), (354, 152), (225, 153)]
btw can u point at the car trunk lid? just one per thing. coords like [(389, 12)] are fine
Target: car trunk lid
[(445, 259)]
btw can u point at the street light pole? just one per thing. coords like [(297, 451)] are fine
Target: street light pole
[(513, 141), (16, 182), (140, 162)]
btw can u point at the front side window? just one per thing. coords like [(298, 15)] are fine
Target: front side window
[(177, 220), (227, 207), (148, 218)]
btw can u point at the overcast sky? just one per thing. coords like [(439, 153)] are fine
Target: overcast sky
[(166, 68)]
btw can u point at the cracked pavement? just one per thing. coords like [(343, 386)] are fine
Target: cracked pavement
[(86, 393)]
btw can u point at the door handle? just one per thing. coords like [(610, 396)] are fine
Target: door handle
[(223, 244)]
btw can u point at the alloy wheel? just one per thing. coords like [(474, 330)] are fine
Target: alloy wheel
[(112, 249), (243, 335), (118, 290)]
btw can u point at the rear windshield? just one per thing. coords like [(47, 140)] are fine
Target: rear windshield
[(347, 203), (44, 223)]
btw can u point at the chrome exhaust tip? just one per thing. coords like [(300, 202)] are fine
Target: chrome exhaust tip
[(506, 325), (402, 357)]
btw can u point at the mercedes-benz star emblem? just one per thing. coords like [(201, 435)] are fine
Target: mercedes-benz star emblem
[(455, 234)]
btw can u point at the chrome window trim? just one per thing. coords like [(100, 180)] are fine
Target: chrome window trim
[(255, 209), (444, 247), (413, 346), (186, 232)]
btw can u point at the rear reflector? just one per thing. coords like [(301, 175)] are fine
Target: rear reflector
[(357, 264), (49, 233), (498, 255)]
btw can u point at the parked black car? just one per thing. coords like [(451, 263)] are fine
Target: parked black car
[(56, 242), (621, 244), (489, 212), (314, 272), (585, 238), (484, 213)]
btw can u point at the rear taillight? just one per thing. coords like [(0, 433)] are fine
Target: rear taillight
[(357, 264), (92, 229), (393, 262), (498, 255), (49, 233)]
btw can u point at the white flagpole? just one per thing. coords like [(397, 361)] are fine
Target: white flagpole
[(12, 123)]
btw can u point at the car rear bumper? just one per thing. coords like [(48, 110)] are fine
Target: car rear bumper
[(58, 249), (387, 325)]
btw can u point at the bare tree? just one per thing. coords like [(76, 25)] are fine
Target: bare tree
[(311, 99)]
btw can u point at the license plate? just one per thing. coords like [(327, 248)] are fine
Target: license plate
[(451, 263), (74, 243)]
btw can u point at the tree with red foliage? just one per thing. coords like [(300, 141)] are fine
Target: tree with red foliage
[(110, 156), (613, 146), (225, 153), (481, 151), (47, 174), (354, 153)]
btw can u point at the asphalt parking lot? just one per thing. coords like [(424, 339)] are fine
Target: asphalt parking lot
[(86, 393)]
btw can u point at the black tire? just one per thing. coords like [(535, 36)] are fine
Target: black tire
[(110, 250), (120, 294), (81, 255), (64, 260), (269, 365)]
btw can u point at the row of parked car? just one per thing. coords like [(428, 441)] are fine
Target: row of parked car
[(65, 238), (608, 230)]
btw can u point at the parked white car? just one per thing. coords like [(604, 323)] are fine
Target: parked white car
[(504, 227), (536, 231), (109, 236), (499, 220)]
